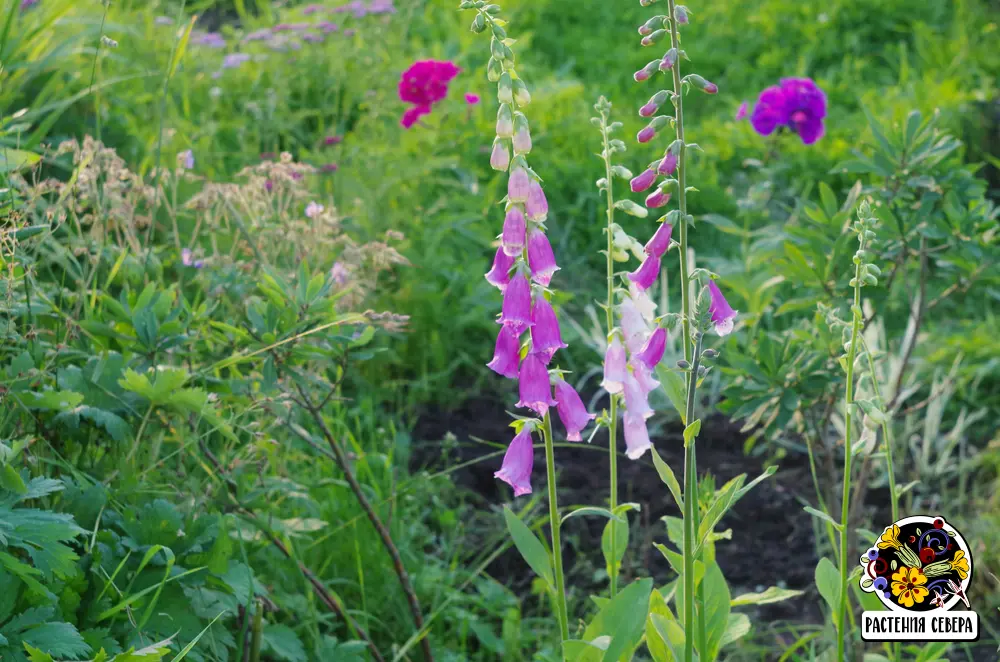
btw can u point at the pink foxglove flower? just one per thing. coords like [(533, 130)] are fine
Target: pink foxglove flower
[(657, 199), (644, 376), (669, 60), (614, 367), (668, 165), (636, 436), (636, 403), (545, 336), (643, 181), (647, 71), (514, 229), (643, 302), (517, 463), (646, 134), (742, 111), (652, 352), (540, 258), (499, 275), (518, 185), (522, 136), (660, 241), (723, 315), (516, 311), (507, 353), (537, 206), (500, 157), (572, 412), (533, 385), (646, 274), (633, 326)]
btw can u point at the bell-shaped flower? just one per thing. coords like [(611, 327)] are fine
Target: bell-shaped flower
[(518, 185), (660, 241), (643, 302), (636, 402), (518, 462), (723, 315), (540, 257), (652, 351), (514, 229), (636, 436), (534, 388), (668, 165), (516, 311), (646, 134), (522, 135), (646, 274), (507, 354), (643, 181), (499, 275), (545, 336), (572, 412), (643, 375), (633, 325), (657, 199), (500, 157), (505, 121), (614, 367), (537, 206)]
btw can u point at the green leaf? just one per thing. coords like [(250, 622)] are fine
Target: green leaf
[(819, 514), (828, 583), (12, 160), (613, 558), (530, 547), (35, 655), (623, 619), (671, 633), (591, 510), (673, 385), (50, 400), (660, 648), (717, 599), (668, 477), (691, 432), (737, 628), (767, 596), (58, 639), (11, 480), (283, 643)]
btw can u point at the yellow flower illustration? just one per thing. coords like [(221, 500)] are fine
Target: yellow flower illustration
[(960, 564), (889, 538), (908, 586)]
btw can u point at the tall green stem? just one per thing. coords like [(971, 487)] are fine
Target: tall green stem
[(550, 470), (613, 423)]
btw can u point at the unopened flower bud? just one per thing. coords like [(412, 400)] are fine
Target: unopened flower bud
[(537, 206), (522, 137), (505, 88), (681, 14), (654, 103), (646, 72), (478, 24), (505, 121), (521, 95), (500, 157), (643, 181), (652, 24), (657, 199), (494, 70), (683, 365), (654, 37), (700, 83), (710, 353), (669, 60), (519, 185)]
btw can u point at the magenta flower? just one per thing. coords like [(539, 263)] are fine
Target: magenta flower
[(652, 352), (517, 463), (634, 326), (516, 310), (507, 353), (471, 99), (797, 104), (537, 206), (546, 339), (668, 165), (722, 314), (572, 412), (647, 71), (741, 112), (614, 367), (646, 134), (424, 84), (644, 376), (636, 436), (657, 199), (332, 140), (500, 157), (413, 114), (540, 258), (636, 403), (328, 167), (499, 275), (646, 274), (643, 181), (660, 241), (669, 60), (518, 185), (533, 385), (514, 229)]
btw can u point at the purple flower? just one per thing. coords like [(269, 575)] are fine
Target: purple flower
[(668, 164), (545, 336), (644, 376), (669, 60), (313, 209), (327, 27), (652, 352), (657, 199), (614, 367), (257, 35), (518, 185), (328, 167), (500, 157), (636, 436), (643, 181), (234, 60), (413, 114), (268, 185), (537, 206), (533, 385), (332, 140), (516, 310), (741, 112), (572, 412), (187, 259), (522, 139), (514, 228), (340, 273), (186, 159), (797, 104), (540, 258), (681, 14), (634, 325), (210, 39), (499, 275), (660, 241), (311, 9), (471, 99), (646, 274), (506, 354), (647, 71), (722, 314), (517, 463), (636, 403), (646, 134)]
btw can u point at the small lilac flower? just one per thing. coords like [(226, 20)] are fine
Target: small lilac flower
[(186, 159), (340, 273), (681, 14), (614, 367), (210, 39), (518, 462), (314, 209), (571, 410), (537, 206), (514, 229), (546, 339), (257, 35), (499, 275), (311, 9), (722, 314), (327, 27), (660, 241), (332, 140), (646, 134), (657, 199), (187, 259), (518, 185), (533, 385), (540, 258), (668, 165), (636, 403), (636, 436), (634, 326), (234, 60), (268, 185), (644, 376), (500, 157), (652, 352), (643, 181), (516, 310), (646, 274), (507, 354), (741, 112), (471, 99)]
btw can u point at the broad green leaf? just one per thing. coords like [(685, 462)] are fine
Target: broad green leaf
[(591, 510), (673, 385), (767, 596), (819, 514), (737, 628), (671, 632), (11, 480), (660, 648), (613, 558), (282, 642), (623, 619), (828, 583), (668, 477), (717, 609), (530, 547), (691, 432), (12, 160), (59, 639), (50, 400), (577, 650)]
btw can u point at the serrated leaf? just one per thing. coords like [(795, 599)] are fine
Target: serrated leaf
[(57, 639)]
